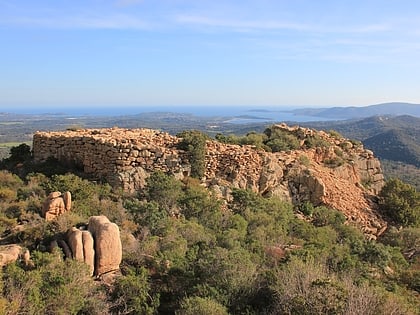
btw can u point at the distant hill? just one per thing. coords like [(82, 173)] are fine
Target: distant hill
[(391, 138), (362, 112), (395, 145)]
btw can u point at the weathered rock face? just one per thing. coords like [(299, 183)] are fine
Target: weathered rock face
[(342, 175), (99, 247), (12, 252), (9, 254), (56, 204), (108, 247), (74, 239), (88, 250)]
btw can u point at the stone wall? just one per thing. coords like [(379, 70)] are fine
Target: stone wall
[(125, 158), (121, 157)]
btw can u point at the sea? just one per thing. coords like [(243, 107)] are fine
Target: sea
[(233, 114)]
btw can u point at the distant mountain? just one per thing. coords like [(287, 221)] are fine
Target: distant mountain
[(351, 112), (390, 138)]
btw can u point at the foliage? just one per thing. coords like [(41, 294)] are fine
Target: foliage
[(400, 202), (131, 293), (196, 202), (304, 160), (335, 134), (163, 189), (316, 141), (204, 306), (198, 255), (307, 288), (194, 142), (44, 289), (275, 139), (323, 216)]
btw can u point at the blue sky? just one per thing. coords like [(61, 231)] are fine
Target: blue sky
[(198, 52)]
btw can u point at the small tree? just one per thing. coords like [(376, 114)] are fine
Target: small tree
[(163, 189), (194, 142), (400, 202), (131, 293)]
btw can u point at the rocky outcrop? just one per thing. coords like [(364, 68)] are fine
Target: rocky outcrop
[(11, 253), (56, 204), (338, 173), (88, 250), (99, 246), (74, 239), (108, 248)]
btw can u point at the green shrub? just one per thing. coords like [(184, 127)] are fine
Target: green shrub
[(131, 293), (400, 202), (52, 287), (304, 160), (281, 140), (323, 216), (316, 141), (307, 288), (9, 180), (334, 162), (194, 142), (163, 189), (7, 194), (335, 134), (204, 306)]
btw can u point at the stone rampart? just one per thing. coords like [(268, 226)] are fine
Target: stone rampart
[(341, 175), (121, 157)]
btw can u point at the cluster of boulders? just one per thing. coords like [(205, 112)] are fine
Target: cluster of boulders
[(13, 252), (56, 204), (98, 245)]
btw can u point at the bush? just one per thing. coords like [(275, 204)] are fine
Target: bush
[(203, 306), (163, 189), (335, 134), (307, 288), (323, 216), (194, 142), (132, 293), (401, 203), (304, 160), (52, 287), (281, 140)]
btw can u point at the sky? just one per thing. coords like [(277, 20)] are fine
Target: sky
[(62, 53)]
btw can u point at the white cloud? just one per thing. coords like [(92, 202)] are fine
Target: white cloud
[(116, 21), (239, 25)]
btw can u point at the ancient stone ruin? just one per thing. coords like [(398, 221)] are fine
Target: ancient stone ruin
[(342, 175)]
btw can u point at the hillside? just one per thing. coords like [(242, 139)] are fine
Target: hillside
[(332, 172), (293, 231), (352, 112), (391, 138), (395, 145)]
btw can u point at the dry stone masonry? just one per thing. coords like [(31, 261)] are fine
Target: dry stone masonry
[(342, 175), (121, 157)]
